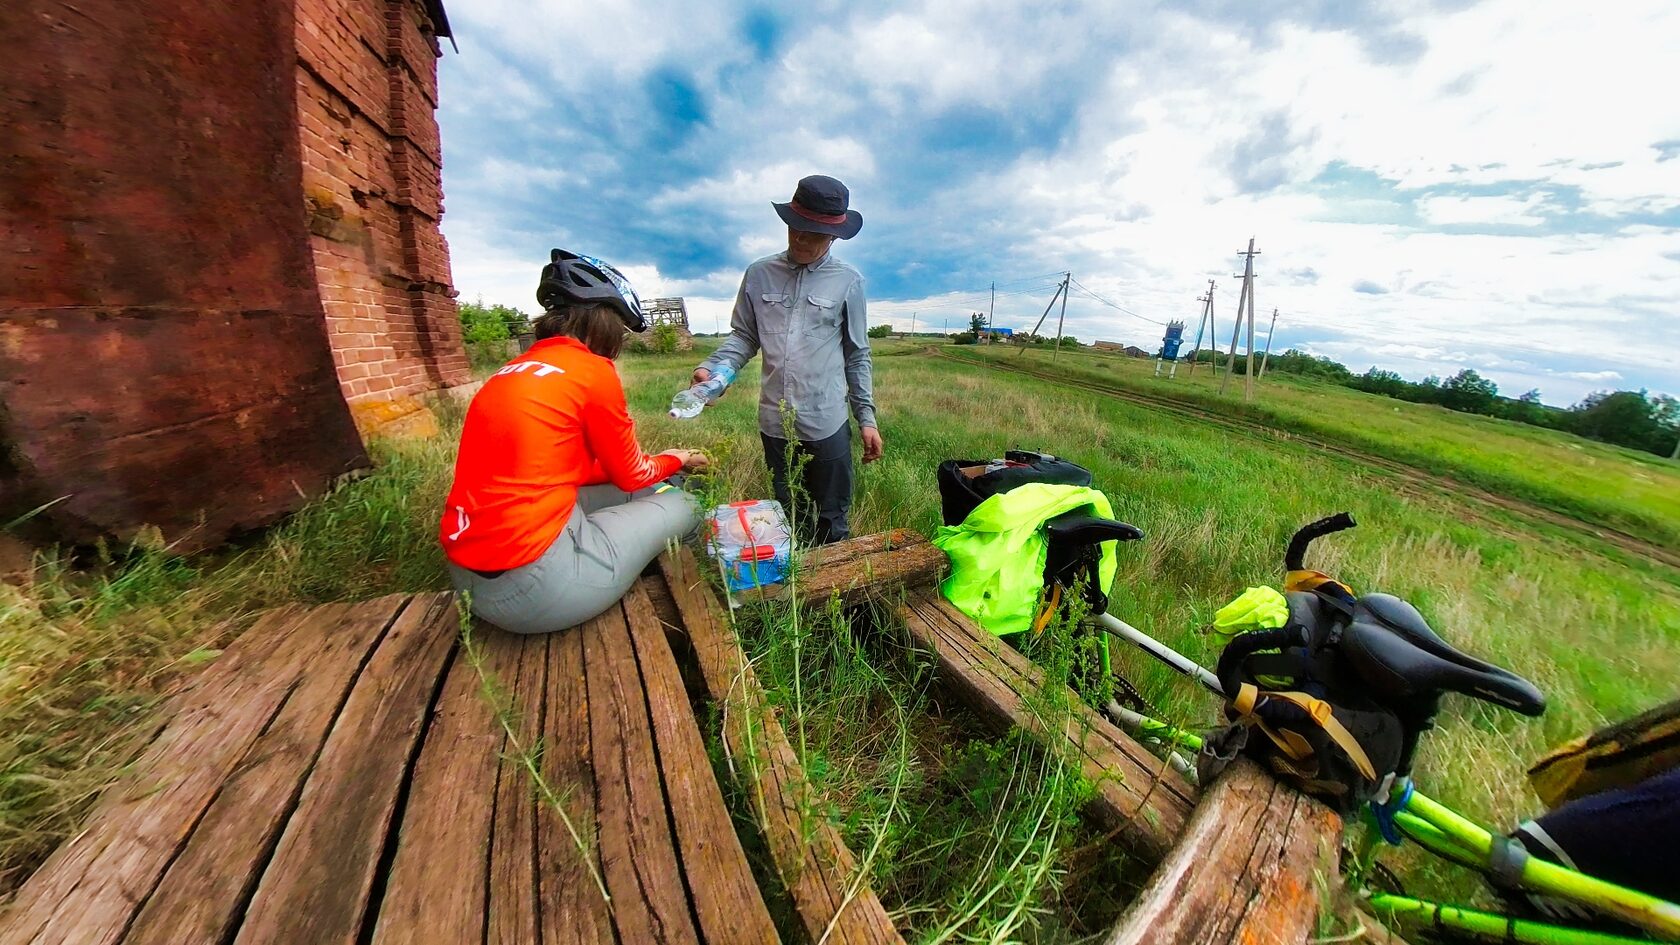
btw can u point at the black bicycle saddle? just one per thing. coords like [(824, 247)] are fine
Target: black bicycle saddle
[(1081, 528), (1391, 646)]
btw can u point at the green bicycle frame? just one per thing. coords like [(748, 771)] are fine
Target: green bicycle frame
[(1452, 836), (1488, 925)]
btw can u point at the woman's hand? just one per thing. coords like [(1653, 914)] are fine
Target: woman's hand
[(691, 459)]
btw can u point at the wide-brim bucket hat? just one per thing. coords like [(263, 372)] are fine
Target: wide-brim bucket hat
[(820, 205)]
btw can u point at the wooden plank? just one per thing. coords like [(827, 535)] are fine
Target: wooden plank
[(449, 812), (841, 552), (315, 889), (1137, 794), (573, 911), (513, 849), (203, 894), (859, 577), (727, 903), (818, 870), (638, 856), (89, 890), (1249, 869)]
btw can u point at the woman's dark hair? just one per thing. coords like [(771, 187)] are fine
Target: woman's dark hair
[(598, 326)]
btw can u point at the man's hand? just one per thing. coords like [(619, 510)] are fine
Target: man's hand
[(701, 374), (872, 445)]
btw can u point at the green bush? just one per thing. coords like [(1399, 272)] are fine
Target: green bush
[(486, 329), (881, 331), (663, 339)]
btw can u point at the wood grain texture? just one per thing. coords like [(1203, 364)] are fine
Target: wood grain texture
[(1137, 794), (1256, 864), (317, 885), (436, 890), (91, 887), (513, 850), (573, 912), (727, 903), (202, 896), (810, 856), (859, 569), (638, 855)]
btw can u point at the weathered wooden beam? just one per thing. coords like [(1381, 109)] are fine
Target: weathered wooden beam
[(858, 569), (86, 891), (1137, 794), (822, 876), (728, 905), (1256, 864), (317, 885)]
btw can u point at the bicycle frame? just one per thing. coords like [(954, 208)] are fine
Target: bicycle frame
[(1447, 834)]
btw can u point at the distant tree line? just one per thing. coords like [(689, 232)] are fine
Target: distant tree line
[(1636, 419)]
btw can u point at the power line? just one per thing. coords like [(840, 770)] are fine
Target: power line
[(1115, 305)]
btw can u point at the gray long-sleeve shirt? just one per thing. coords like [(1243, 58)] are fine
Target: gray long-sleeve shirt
[(812, 324)]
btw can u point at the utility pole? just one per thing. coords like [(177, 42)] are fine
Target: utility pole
[(1248, 299), (1067, 277), (912, 324), (1236, 329), (1203, 322), (1268, 355), (991, 309), (1061, 290)]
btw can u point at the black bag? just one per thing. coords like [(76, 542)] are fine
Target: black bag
[(1318, 727), (965, 483)]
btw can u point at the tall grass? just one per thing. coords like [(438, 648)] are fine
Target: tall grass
[(1596, 482)]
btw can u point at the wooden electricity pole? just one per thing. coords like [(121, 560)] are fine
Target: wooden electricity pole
[(1061, 291), (991, 309), (1206, 321), (1066, 278), (1248, 299), (1268, 355)]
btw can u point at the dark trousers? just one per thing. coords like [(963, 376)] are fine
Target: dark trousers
[(825, 468)]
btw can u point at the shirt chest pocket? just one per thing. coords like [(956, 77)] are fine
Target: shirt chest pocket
[(774, 313), (823, 312)]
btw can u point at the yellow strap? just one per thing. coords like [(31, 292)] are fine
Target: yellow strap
[(1049, 609), (1308, 580), (1244, 702), (1319, 711)]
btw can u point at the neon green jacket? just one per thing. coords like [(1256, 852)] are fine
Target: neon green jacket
[(997, 553)]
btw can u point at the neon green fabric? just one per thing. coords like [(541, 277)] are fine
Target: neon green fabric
[(1258, 608), (997, 553)]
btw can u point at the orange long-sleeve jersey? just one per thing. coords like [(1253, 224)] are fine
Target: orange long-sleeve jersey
[(551, 420)]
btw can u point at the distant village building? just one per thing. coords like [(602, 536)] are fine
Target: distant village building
[(1115, 347), (666, 312), (223, 262)]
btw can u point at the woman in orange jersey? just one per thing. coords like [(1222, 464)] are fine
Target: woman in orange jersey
[(555, 507)]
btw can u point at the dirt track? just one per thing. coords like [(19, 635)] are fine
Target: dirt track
[(1412, 479)]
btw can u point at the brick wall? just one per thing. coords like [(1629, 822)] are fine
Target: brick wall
[(372, 189), (163, 357)]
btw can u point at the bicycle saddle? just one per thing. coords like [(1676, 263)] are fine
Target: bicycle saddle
[(1080, 528), (1391, 646)]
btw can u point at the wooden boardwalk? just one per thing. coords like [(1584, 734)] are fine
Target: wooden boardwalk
[(340, 776)]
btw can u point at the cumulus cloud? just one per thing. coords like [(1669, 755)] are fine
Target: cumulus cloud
[(1484, 182)]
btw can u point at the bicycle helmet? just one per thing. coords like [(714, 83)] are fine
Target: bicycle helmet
[(571, 278)]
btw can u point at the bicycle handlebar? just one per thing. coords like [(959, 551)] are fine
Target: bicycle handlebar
[(1294, 558)]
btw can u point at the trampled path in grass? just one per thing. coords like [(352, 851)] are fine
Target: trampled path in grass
[(1621, 496)]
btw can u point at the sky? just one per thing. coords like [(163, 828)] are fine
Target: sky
[(1432, 186)]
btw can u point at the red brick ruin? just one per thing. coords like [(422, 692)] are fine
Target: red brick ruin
[(219, 256)]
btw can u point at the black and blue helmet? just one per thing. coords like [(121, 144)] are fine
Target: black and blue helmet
[(571, 279)]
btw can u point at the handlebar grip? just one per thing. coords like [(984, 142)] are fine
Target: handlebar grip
[(1247, 644), (1295, 556)]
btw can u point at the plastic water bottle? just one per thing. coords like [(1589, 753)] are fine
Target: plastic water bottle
[(688, 403)]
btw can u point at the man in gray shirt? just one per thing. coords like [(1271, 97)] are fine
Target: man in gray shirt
[(806, 311)]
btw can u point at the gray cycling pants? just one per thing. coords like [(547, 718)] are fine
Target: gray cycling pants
[(609, 538)]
